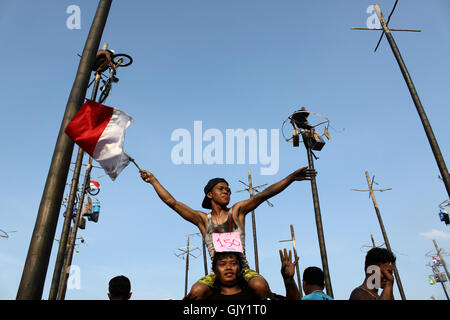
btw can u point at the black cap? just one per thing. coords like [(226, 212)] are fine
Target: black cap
[(211, 183)]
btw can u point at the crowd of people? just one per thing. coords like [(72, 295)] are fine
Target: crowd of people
[(230, 284), (223, 230)]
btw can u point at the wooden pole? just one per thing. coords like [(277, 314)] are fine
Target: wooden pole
[(187, 268), (255, 240), (297, 266), (438, 250), (68, 261), (36, 264), (373, 242), (318, 217), (385, 237), (437, 273), (414, 95), (205, 263)]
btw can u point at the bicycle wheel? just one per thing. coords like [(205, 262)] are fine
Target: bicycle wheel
[(105, 93), (93, 192), (127, 60)]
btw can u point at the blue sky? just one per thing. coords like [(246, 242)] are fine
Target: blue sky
[(233, 64)]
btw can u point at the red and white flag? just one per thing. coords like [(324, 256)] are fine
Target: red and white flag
[(100, 131), (436, 260), (94, 185)]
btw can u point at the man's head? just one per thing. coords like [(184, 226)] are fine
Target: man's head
[(228, 267), (119, 288), (382, 258), (218, 191), (313, 279)]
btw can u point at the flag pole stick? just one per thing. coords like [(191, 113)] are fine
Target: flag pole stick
[(132, 160)]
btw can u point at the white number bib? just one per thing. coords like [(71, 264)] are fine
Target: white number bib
[(227, 242)]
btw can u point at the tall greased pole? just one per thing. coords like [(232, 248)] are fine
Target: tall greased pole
[(420, 110), (36, 264), (385, 237), (318, 216)]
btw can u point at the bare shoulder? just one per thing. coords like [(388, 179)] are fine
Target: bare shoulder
[(238, 213), (203, 216), (360, 294), (237, 208), (202, 220)]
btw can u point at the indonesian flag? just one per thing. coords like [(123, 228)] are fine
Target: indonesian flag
[(94, 185), (100, 131), (435, 260)]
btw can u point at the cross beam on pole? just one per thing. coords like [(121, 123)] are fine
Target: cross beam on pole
[(379, 29), (373, 245), (389, 19), (256, 190)]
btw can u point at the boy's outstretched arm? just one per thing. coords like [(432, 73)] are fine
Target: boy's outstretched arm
[(251, 204), (183, 210)]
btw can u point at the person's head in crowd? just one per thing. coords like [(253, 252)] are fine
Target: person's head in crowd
[(119, 288), (382, 258), (313, 280), (228, 267)]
